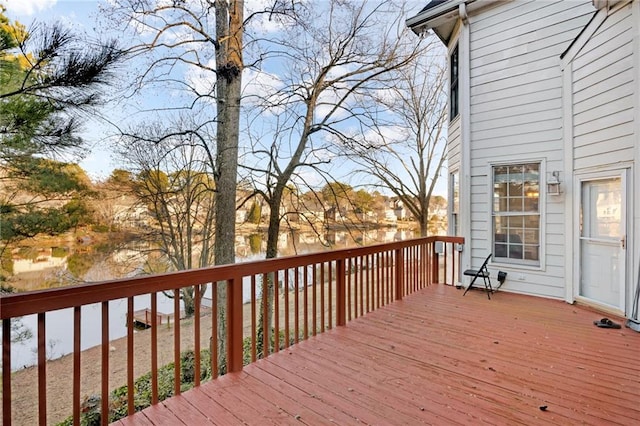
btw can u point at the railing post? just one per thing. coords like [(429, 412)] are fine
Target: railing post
[(341, 294), (234, 325), (399, 274)]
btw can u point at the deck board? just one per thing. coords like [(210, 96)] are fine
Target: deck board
[(434, 358)]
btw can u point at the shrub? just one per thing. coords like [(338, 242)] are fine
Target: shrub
[(91, 406)]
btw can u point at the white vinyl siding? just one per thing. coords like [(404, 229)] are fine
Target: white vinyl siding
[(603, 91), (516, 116)]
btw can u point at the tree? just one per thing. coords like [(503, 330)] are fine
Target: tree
[(178, 36), (333, 61), (405, 151), (173, 180), (255, 213), (47, 78)]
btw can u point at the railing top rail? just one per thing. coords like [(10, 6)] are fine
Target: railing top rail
[(20, 304)]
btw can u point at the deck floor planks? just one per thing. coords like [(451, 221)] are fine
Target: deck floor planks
[(258, 397), (184, 410), (159, 414), (309, 408), (486, 389), (441, 393), (437, 350), (211, 409), (557, 378), (615, 373), (321, 401), (385, 377), (452, 385), (332, 394), (354, 391), (226, 397)]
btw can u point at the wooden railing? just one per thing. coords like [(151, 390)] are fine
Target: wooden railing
[(311, 293)]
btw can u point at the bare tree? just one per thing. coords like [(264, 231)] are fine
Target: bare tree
[(203, 39), (173, 181), (338, 56), (404, 151)]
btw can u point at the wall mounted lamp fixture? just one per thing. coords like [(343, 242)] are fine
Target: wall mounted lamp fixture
[(553, 183)]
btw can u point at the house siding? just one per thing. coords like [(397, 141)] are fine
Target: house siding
[(516, 116), (603, 95)]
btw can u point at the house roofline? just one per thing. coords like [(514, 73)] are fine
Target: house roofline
[(430, 13), (419, 22)]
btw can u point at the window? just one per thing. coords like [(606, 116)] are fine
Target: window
[(516, 213), (454, 196), (453, 85)]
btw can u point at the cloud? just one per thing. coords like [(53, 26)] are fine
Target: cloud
[(27, 7), (261, 84)]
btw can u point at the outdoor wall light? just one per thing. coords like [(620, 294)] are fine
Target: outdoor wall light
[(553, 183)]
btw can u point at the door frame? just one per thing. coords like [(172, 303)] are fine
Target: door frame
[(623, 172)]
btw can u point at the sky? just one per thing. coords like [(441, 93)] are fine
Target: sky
[(81, 16)]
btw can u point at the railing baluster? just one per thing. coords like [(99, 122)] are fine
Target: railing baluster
[(105, 364), (196, 335), (265, 315), (297, 303), (348, 288), (370, 286), (306, 303), (176, 341), (322, 286), (353, 288), (6, 371), (254, 325), (154, 348), (390, 276), (341, 291), (42, 370), (330, 295), (356, 281), (314, 298), (287, 330), (276, 311), (76, 364), (215, 370), (399, 255), (378, 283), (130, 354), (363, 285), (409, 275)]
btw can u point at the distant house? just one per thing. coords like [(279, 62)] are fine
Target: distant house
[(544, 142)]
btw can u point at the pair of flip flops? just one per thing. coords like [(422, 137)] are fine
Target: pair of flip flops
[(606, 323)]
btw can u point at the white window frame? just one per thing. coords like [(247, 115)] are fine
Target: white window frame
[(521, 264)]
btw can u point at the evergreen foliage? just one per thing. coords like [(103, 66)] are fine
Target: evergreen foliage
[(48, 78)]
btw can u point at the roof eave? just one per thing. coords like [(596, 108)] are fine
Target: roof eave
[(424, 20)]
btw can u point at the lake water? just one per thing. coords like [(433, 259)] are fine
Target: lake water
[(54, 267)]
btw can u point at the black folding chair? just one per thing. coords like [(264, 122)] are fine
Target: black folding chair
[(483, 273)]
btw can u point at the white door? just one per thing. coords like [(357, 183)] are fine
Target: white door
[(603, 240)]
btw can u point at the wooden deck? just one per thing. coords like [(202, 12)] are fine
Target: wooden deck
[(437, 358)]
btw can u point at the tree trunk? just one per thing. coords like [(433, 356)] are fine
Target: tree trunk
[(229, 18), (272, 253)]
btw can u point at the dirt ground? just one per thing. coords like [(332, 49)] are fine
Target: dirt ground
[(24, 382)]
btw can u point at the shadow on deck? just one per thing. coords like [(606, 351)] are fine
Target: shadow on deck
[(434, 357)]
